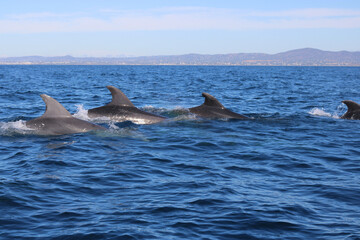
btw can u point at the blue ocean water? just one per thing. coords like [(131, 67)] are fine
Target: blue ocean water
[(292, 171)]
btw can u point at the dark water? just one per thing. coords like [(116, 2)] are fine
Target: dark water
[(290, 172)]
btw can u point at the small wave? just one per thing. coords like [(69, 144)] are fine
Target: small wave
[(180, 110), (59, 145), (123, 129), (148, 107), (185, 117), (321, 112), (179, 113)]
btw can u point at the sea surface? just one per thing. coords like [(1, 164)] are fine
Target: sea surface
[(291, 171)]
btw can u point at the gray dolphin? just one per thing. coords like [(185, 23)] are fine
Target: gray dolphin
[(353, 111), (121, 109), (57, 120), (212, 108)]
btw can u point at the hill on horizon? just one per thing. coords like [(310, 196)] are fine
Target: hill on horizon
[(297, 57)]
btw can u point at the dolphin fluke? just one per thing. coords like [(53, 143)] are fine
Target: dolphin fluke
[(119, 98), (53, 108), (212, 108), (353, 111)]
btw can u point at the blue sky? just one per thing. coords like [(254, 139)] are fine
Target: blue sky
[(165, 27)]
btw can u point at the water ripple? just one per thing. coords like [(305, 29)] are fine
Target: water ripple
[(289, 172)]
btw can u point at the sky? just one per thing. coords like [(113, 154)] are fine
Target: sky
[(113, 28)]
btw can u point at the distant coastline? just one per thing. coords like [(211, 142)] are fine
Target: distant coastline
[(298, 57)]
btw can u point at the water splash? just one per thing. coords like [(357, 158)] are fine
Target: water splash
[(112, 126), (340, 110), (17, 127), (82, 114), (319, 112), (323, 113)]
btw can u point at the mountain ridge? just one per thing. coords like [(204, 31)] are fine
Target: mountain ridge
[(296, 57)]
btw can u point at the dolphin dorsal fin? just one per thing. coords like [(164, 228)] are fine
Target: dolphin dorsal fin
[(53, 108), (211, 101), (352, 106), (119, 98)]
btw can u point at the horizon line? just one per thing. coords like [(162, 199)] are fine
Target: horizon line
[(180, 54)]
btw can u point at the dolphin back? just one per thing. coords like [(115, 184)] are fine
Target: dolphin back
[(57, 120), (60, 126), (212, 108)]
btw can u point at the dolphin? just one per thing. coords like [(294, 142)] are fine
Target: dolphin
[(57, 120), (353, 111), (121, 109), (212, 108)]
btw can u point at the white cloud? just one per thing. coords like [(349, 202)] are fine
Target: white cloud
[(310, 13), (41, 15), (185, 18)]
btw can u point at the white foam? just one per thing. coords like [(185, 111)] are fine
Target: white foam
[(321, 112), (17, 127), (20, 125)]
